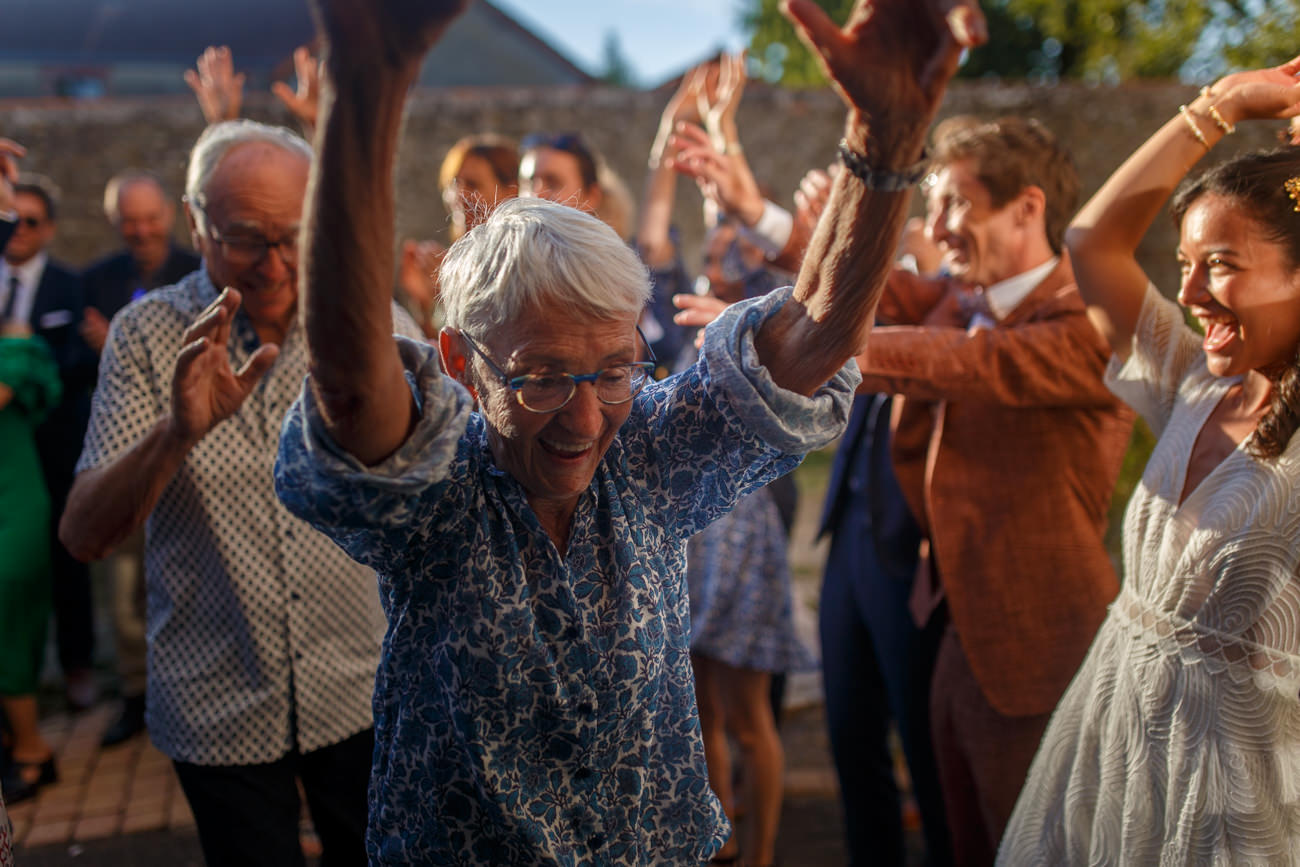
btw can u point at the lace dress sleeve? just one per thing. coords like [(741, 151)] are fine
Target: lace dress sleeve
[(1165, 351)]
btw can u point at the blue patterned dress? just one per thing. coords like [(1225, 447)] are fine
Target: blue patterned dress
[(532, 707), (742, 602)]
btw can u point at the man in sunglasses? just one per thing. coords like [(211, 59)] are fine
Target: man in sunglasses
[(263, 636)]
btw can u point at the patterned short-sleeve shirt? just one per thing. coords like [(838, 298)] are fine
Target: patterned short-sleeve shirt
[(534, 707), (263, 635)]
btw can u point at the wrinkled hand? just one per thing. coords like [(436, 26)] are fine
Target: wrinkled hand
[(1259, 94), (811, 198), (219, 90), (723, 178), (205, 389), (94, 329), (397, 32), (303, 101), (893, 58), (10, 151)]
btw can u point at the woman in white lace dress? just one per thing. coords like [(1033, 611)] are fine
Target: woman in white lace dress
[(1179, 740)]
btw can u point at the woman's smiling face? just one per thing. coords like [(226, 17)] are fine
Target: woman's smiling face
[(1240, 287)]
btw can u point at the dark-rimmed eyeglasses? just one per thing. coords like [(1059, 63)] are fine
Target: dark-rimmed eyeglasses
[(31, 222), (550, 392), (245, 251)]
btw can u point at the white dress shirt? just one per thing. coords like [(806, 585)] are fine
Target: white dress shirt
[(1005, 296), (29, 277)]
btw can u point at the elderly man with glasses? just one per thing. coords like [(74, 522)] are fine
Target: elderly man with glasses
[(535, 703), (263, 636)]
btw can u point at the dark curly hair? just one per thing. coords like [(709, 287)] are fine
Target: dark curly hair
[(1256, 182)]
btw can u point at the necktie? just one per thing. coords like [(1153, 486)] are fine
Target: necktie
[(11, 305)]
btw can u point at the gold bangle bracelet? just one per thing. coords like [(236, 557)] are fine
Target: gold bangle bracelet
[(1213, 112), (1193, 127)]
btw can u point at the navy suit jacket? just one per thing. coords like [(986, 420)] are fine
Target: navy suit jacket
[(7, 228), (864, 499), (112, 282), (56, 316)]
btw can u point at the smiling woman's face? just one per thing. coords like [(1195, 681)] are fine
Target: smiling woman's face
[(1240, 287), (553, 455)]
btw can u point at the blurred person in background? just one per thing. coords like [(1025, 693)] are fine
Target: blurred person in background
[(29, 389), (49, 299), (477, 174), (142, 213)]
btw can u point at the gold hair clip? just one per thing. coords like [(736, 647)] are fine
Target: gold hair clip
[(1292, 188)]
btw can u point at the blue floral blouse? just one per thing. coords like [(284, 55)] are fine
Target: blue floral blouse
[(534, 708)]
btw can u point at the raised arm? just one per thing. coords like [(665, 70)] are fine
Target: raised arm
[(1104, 236), (891, 64), (655, 219), (371, 54)]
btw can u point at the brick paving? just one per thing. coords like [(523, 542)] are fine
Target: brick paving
[(126, 789)]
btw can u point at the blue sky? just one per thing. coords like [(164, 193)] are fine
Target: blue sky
[(659, 38)]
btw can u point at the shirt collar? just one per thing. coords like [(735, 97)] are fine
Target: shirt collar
[(1005, 296), (29, 273)]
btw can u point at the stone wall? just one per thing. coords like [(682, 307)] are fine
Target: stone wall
[(81, 144)]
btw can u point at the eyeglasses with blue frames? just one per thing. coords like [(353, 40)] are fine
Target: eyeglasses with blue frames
[(550, 392)]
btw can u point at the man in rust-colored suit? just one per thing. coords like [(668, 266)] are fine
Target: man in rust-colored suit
[(1007, 445)]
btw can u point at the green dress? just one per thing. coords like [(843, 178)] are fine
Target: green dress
[(28, 369)]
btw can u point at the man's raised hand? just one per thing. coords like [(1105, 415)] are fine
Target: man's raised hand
[(205, 389)]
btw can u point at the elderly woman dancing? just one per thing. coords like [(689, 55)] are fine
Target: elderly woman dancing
[(1178, 741), (534, 704)]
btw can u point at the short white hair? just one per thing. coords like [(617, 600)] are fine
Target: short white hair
[(533, 254), (217, 140)]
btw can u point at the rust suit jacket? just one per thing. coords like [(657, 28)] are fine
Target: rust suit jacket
[(1007, 446)]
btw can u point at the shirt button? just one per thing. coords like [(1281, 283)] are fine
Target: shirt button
[(595, 841)]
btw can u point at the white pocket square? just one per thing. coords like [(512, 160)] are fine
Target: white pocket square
[(55, 318)]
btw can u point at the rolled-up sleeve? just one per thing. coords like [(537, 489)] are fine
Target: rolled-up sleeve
[(745, 393), (323, 484)]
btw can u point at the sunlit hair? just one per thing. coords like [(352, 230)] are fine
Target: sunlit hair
[(616, 202), (1010, 154), (218, 139), (121, 181), (499, 152), (1256, 183), (531, 254)]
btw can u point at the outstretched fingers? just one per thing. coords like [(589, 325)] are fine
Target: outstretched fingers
[(214, 322), (256, 367)]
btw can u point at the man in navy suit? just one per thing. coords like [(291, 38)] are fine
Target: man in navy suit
[(143, 215), (49, 298), (876, 664)]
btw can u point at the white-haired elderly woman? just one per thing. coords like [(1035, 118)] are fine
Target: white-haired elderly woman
[(527, 504)]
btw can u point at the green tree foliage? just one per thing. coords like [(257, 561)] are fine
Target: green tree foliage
[(1103, 41), (776, 54), (1263, 33), (616, 69)]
